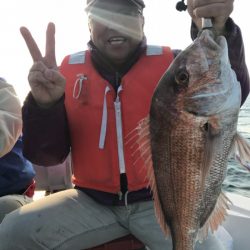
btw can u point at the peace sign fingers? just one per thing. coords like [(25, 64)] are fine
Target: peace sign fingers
[(46, 82), (31, 44), (50, 58)]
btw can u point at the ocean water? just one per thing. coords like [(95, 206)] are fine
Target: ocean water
[(238, 178)]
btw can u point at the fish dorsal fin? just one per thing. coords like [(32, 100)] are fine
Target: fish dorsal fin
[(216, 218), (139, 141), (241, 148)]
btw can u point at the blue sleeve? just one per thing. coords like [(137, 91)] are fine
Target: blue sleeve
[(16, 172)]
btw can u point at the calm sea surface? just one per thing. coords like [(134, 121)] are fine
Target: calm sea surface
[(238, 179)]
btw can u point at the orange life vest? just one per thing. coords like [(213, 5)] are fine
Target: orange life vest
[(99, 118)]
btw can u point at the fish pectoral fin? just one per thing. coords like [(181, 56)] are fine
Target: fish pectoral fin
[(241, 149), (216, 218), (214, 125), (213, 129)]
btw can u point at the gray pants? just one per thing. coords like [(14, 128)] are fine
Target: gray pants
[(71, 220), (9, 203)]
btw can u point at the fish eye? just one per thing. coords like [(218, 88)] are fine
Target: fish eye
[(182, 77)]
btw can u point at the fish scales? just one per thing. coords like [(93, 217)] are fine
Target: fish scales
[(183, 151)]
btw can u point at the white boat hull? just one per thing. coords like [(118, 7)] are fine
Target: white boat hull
[(237, 224)]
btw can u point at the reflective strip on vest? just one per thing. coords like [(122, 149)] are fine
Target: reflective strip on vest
[(153, 50), (118, 119), (77, 58)]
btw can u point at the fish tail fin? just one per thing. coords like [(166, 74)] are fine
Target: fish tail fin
[(216, 218), (241, 149)]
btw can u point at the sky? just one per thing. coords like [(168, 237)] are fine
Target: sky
[(163, 26)]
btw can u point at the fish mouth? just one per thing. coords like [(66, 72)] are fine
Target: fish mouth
[(117, 40)]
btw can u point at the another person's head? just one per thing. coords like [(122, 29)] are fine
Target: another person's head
[(116, 27)]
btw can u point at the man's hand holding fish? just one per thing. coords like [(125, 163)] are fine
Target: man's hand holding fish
[(218, 10)]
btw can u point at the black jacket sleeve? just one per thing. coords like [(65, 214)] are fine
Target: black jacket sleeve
[(45, 133)]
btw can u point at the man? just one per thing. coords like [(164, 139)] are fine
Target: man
[(107, 92), (16, 173)]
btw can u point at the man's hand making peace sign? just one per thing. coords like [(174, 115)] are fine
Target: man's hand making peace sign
[(46, 82)]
